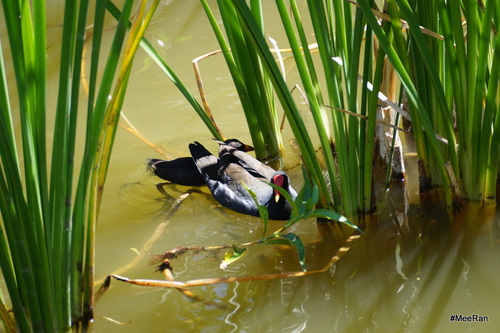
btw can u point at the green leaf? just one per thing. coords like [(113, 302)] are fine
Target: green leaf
[(231, 256), (331, 215), (264, 214)]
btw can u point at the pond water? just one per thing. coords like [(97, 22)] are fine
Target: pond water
[(413, 269)]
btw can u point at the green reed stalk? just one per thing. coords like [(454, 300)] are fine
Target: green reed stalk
[(162, 64), (306, 69), (25, 209), (489, 144), (493, 154), (79, 243), (340, 37), (46, 250), (477, 149), (254, 34), (427, 59), (424, 128), (250, 80), (456, 80), (334, 41)]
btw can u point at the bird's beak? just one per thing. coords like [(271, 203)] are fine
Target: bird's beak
[(277, 196), (280, 181), (248, 148)]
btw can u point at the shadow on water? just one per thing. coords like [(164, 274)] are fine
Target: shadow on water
[(415, 275)]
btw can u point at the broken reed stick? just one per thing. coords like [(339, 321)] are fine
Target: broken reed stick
[(211, 281)]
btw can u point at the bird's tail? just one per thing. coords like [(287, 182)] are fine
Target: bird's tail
[(151, 165), (206, 163)]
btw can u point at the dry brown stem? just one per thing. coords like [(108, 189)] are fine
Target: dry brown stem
[(210, 281)]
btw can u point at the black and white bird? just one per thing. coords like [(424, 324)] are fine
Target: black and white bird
[(183, 171), (230, 176)]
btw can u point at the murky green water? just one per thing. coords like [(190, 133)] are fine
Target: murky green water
[(398, 277), (411, 272)]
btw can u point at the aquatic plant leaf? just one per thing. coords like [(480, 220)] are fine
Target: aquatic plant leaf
[(231, 256), (307, 198), (264, 214), (311, 200), (314, 197), (304, 194), (290, 239), (331, 215)]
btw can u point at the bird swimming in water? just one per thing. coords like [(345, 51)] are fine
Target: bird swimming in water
[(230, 176), (183, 171)]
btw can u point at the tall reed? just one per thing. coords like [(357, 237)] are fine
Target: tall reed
[(452, 81), (251, 81), (347, 142), (47, 240)]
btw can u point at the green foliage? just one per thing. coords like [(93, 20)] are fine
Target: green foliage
[(162, 64), (303, 207), (448, 80), (232, 256), (251, 81), (452, 80), (347, 142), (46, 244), (287, 102)]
